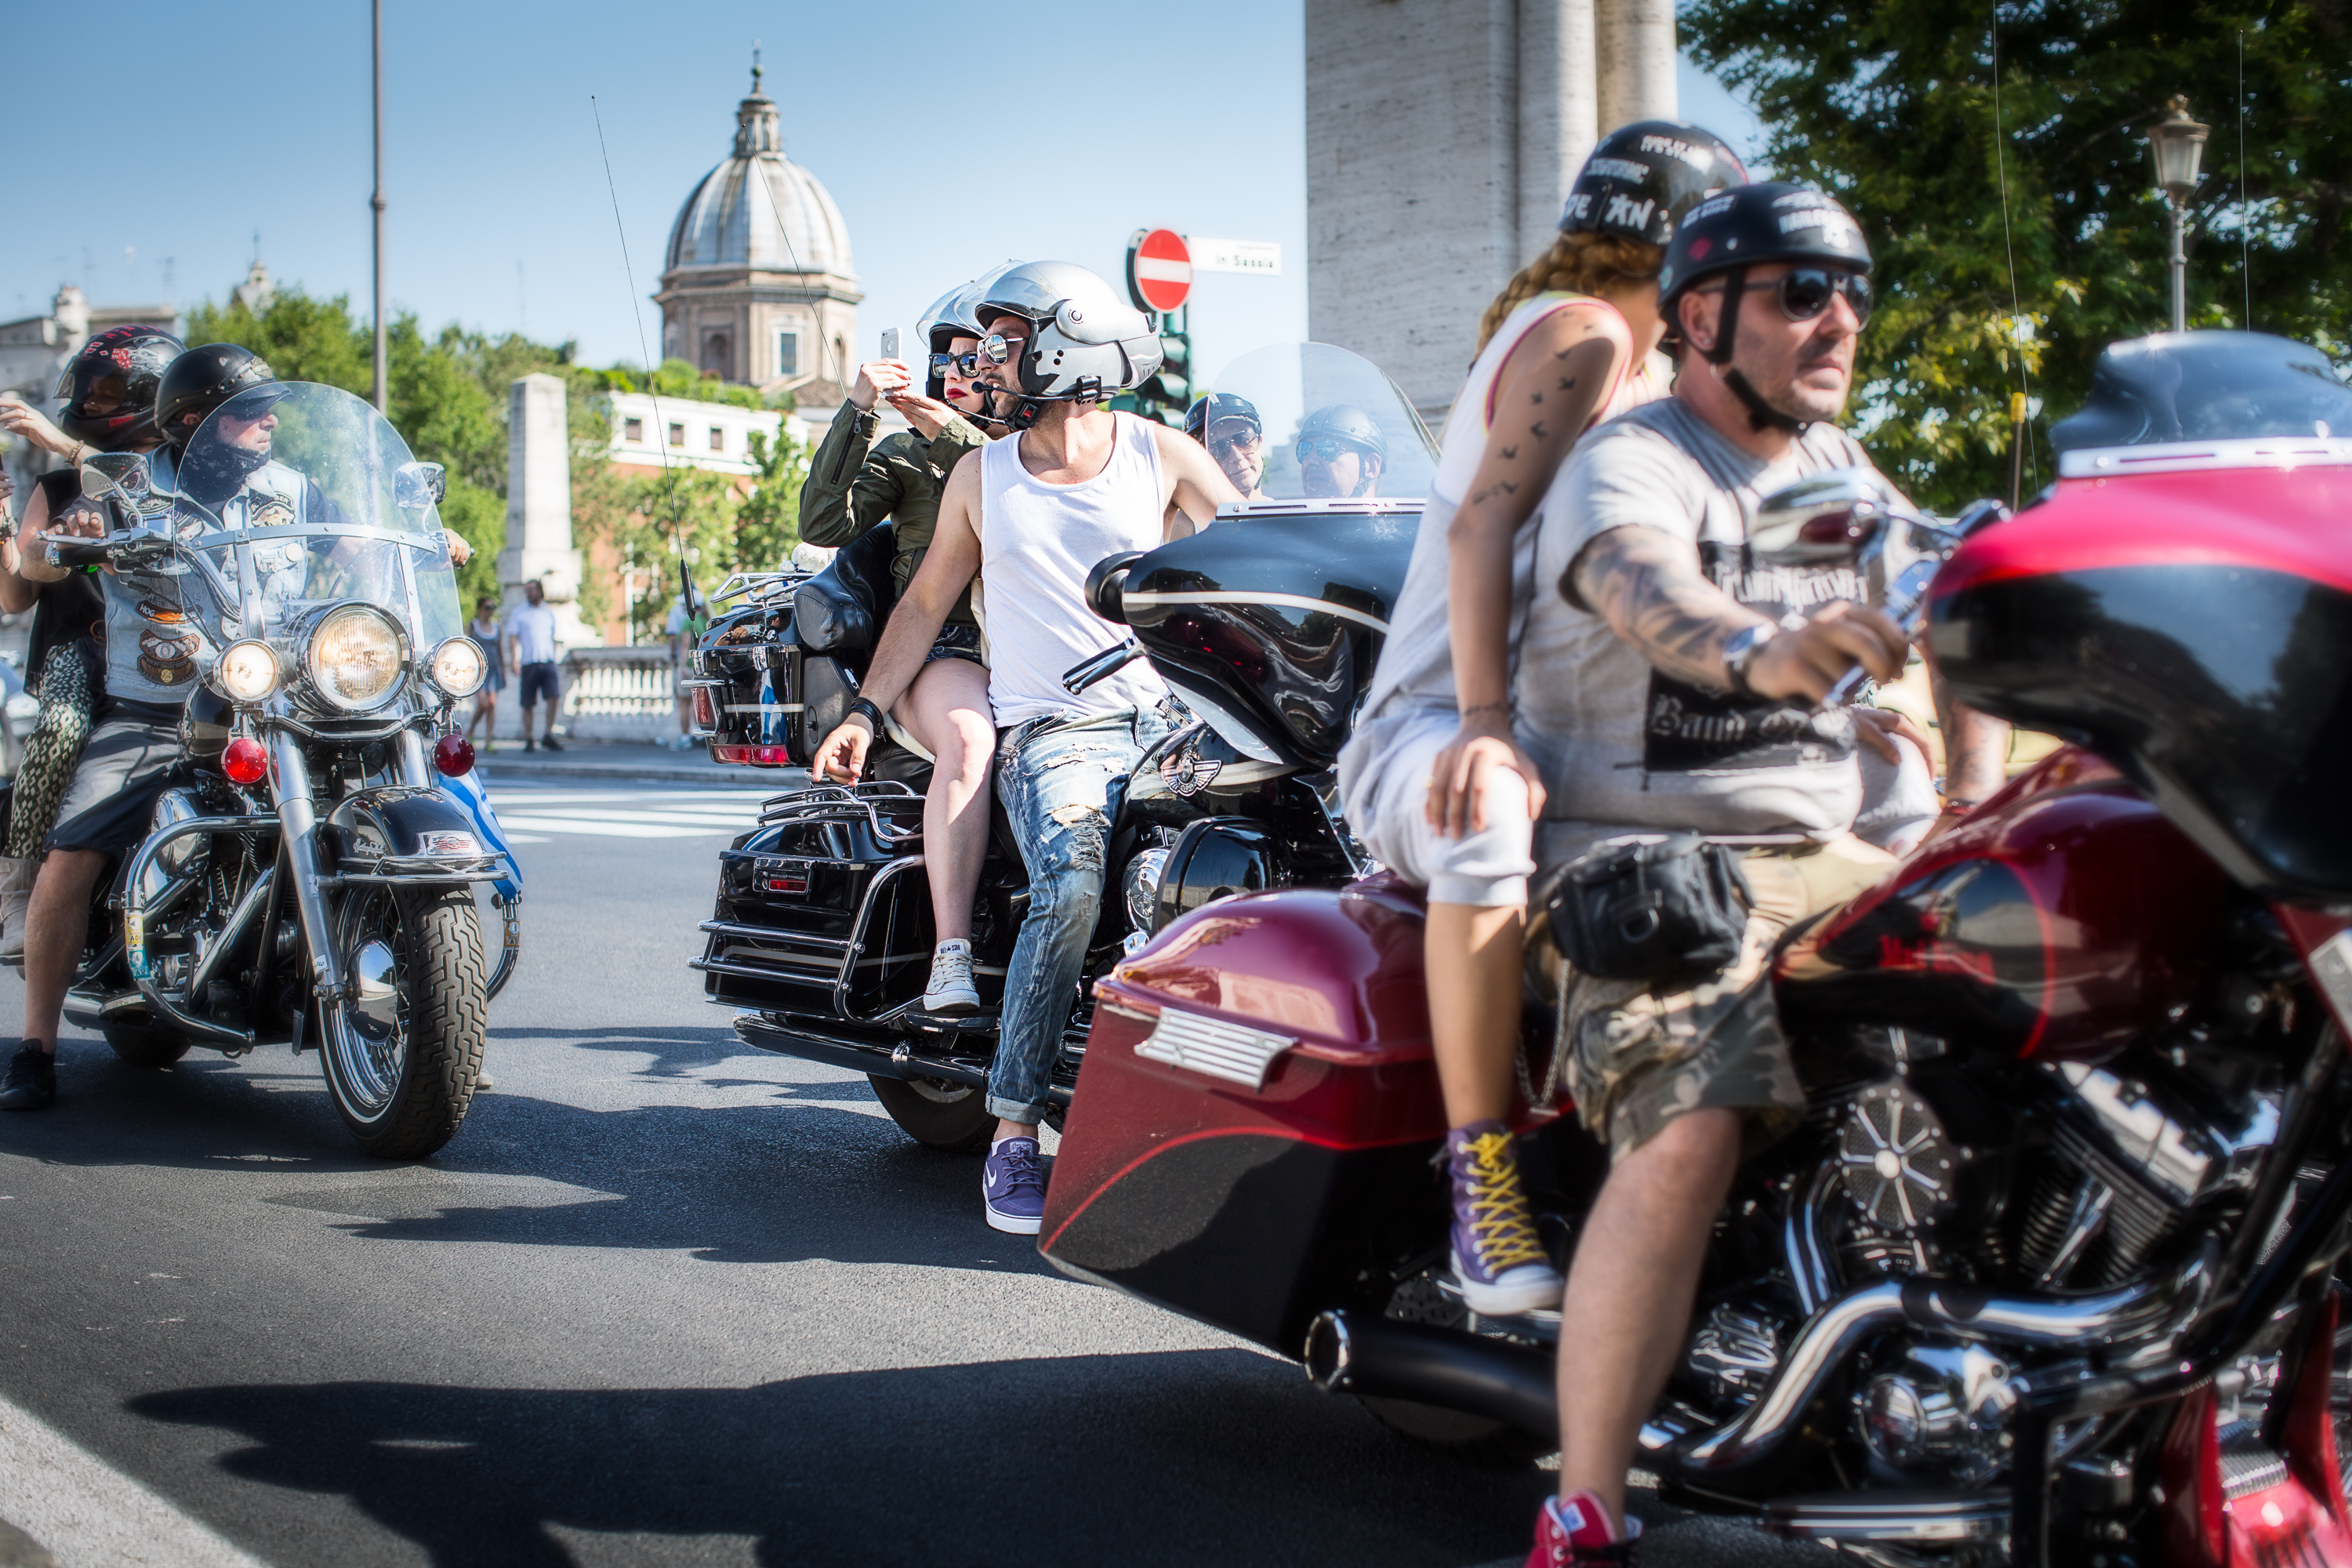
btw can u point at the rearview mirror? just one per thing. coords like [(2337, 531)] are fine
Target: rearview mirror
[(117, 475), (417, 487), (1822, 520)]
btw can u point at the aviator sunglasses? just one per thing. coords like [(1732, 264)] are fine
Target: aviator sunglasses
[(1326, 447), (1805, 292), (1244, 441)]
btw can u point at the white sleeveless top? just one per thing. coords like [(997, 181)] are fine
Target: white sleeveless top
[(1037, 542), (1414, 678)]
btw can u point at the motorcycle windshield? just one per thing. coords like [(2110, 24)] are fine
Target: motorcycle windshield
[(293, 496), (1314, 421)]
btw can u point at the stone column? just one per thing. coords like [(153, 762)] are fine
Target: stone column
[(538, 506), (1559, 113), (1635, 46)]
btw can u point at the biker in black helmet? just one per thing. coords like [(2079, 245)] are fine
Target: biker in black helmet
[(1229, 426), (200, 381), (1341, 452), (107, 393)]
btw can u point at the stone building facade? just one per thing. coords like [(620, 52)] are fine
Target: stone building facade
[(758, 286)]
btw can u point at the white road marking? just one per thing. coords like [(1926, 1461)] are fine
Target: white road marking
[(90, 1514), (538, 814)]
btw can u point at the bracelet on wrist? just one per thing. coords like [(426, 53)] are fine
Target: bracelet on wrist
[(1476, 708), (862, 708)]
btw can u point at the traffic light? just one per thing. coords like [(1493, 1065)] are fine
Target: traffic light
[(1165, 395)]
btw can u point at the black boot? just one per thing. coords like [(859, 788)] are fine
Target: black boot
[(32, 1080)]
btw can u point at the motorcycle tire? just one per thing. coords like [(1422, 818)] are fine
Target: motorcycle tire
[(403, 1084), (144, 1045), (950, 1116)]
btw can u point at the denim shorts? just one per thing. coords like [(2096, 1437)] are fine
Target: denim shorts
[(957, 641)]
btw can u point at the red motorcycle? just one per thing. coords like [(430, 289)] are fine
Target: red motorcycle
[(2053, 1257)]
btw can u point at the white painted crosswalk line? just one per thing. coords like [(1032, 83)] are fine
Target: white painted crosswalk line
[(541, 813)]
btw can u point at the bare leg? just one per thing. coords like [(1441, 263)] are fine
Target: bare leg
[(1471, 955), (486, 714), (946, 709), (1013, 1129), (55, 929), (1630, 1292)]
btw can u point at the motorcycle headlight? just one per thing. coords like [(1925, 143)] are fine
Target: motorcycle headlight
[(456, 668), (248, 671), (356, 657)]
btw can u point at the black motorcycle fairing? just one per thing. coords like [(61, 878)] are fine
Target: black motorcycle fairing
[(2206, 385), (1215, 859), (391, 821), (1194, 773), (1269, 624)]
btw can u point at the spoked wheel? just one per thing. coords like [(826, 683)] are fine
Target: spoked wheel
[(401, 1053), (1476, 1438), (937, 1114)]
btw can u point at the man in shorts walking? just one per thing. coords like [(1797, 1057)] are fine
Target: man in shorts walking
[(531, 647)]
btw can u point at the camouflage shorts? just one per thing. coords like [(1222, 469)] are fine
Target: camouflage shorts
[(1634, 1058)]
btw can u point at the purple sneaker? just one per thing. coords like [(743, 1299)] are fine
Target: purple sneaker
[(1013, 1183), (1497, 1257)]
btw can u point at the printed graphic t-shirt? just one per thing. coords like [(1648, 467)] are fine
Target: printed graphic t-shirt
[(1619, 743)]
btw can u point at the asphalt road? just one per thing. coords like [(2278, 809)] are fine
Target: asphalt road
[(663, 1299)]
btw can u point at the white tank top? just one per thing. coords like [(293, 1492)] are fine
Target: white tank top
[(1037, 542), (1415, 673)]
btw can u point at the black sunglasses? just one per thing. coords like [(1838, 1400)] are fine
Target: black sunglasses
[(1806, 292), (966, 363), (1245, 440)]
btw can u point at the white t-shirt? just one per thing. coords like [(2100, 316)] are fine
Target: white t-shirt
[(1621, 745), (1037, 542), (532, 626), (1412, 685)]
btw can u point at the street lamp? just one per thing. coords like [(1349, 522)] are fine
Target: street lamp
[(2178, 144)]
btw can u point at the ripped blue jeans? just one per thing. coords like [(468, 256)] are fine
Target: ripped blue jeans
[(1061, 782)]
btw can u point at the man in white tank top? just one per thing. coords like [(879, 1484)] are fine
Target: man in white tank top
[(1030, 517)]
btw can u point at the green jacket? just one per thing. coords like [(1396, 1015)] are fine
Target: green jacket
[(854, 482)]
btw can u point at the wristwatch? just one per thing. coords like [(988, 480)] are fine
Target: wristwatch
[(1740, 651), (862, 708)]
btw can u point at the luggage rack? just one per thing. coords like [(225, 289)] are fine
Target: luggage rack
[(821, 803)]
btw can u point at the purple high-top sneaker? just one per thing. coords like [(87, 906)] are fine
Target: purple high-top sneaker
[(1498, 1257), (1012, 1186)]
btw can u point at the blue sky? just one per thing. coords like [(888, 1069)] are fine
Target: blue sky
[(500, 214)]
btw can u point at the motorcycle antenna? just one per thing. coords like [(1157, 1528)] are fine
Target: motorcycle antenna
[(653, 386), (2021, 433), (2245, 204), (841, 356)]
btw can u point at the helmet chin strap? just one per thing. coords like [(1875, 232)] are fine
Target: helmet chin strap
[(1761, 416)]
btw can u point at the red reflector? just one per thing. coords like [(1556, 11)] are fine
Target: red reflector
[(244, 762), (706, 712), (788, 884), (454, 755), (760, 756)]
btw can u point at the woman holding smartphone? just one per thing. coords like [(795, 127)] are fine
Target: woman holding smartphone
[(855, 483)]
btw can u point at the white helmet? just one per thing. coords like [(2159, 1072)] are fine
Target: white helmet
[(1085, 342), (951, 316)]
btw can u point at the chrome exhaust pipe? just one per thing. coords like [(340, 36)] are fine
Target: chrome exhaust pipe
[(1839, 1330), (1375, 1358)]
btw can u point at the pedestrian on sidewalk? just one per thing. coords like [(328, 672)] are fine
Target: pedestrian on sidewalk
[(484, 630), (531, 647), (688, 622)]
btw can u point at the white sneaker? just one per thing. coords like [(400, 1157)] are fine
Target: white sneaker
[(951, 990)]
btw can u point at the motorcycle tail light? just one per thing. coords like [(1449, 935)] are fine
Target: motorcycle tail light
[(244, 762), (759, 756), (454, 755), (706, 712)]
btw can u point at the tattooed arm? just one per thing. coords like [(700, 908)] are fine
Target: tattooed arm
[(1548, 392), (1647, 584)]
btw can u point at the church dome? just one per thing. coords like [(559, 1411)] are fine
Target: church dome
[(759, 208)]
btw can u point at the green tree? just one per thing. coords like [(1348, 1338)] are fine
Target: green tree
[(1891, 105)]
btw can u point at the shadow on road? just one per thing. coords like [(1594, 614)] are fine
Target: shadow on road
[(1193, 1457)]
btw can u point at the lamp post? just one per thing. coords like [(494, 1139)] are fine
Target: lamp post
[(376, 201), (2178, 143)]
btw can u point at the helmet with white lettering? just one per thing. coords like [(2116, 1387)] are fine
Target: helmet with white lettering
[(1642, 178), (1085, 342)]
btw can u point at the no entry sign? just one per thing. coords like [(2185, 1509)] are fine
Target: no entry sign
[(1159, 270)]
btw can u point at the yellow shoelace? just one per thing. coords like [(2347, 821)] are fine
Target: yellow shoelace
[(1500, 1226)]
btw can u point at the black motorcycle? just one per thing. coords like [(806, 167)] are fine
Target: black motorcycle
[(1266, 625), (308, 877)]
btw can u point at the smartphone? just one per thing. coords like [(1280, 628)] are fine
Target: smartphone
[(890, 342)]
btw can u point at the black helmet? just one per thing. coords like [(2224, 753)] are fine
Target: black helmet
[(137, 357), (1750, 226), (1346, 422), (1206, 411), (204, 378), (1642, 178)]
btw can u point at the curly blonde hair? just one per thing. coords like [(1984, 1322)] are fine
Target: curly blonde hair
[(1583, 263)]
